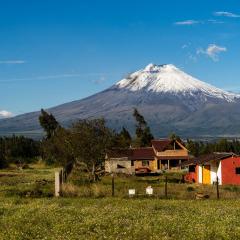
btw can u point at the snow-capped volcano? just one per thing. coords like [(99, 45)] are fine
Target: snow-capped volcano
[(169, 99), (170, 79)]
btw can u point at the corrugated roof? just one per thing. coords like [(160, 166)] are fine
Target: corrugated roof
[(119, 153), (208, 157)]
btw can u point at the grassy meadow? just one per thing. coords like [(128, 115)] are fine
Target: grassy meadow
[(28, 209)]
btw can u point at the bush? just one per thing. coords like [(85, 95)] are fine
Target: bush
[(232, 188), (190, 189), (3, 163)]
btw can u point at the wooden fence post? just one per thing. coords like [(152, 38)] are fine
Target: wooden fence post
[(166, 186), (113, 187), (57, 184), (218, 189)]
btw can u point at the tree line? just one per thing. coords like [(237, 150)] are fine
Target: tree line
[(18, 150), (198, 148)]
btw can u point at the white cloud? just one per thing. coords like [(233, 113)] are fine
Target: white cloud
[(12, 62), (58, 76), (100, 80), (5, 114), (188, 22), (226, 14), (212, 51), (186, 45), (195, 22), (214, 21)]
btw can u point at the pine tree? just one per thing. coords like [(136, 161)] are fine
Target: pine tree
[(125, 137), (143, 132), (48, 123)]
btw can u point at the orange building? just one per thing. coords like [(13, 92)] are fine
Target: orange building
[(210, 168)]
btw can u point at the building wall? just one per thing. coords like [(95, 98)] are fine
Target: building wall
[(111, 165), (219, 173), (215, 171), (152, 164), (228, 168), (137, 164), (199, 173)]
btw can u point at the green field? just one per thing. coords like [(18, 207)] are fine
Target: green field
[(28, 210)]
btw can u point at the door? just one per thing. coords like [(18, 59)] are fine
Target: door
[(206, 174)]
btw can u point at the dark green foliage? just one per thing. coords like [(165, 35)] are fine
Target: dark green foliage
[(57, 150), (18, 149), (84, 146), (174, 137), (3, 161), (126, 136), (90, 140), (122, 139), (190, 189), (48, 123), (143, 132), (223, 145)]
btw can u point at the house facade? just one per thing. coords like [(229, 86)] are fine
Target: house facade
[(164, 154), (207, 169)]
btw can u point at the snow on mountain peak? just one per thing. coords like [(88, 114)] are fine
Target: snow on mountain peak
[(167, 78)]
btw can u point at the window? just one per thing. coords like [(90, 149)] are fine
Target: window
[(120, 166), (237, 170), (145, 163), (132, 163)]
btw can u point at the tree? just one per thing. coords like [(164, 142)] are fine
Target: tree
[(57, 150), (3, 162), (48, 123), (175, 137), (122, 139), (143, 132), (18, 149), (126, 136), (90, 140)]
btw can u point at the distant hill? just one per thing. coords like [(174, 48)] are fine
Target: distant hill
[(169, 99)]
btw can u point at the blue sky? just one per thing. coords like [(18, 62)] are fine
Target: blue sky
[(57, 51)]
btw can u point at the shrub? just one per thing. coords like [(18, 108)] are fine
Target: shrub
[(190, 189)]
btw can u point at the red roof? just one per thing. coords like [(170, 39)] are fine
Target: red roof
[(160, 145), (143, 153), (146, 153), (119, 153)]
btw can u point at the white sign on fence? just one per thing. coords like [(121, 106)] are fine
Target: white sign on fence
[(149, 190), (131, 192)]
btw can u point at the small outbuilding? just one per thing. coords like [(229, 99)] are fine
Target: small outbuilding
[(207, 169)]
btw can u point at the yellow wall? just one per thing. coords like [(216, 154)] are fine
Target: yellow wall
[(152, 164), (206, 174)]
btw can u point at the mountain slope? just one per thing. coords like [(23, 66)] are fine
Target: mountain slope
[(170, 100)]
